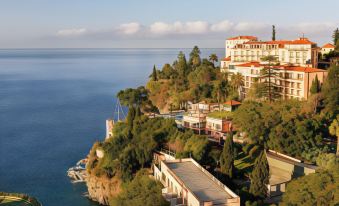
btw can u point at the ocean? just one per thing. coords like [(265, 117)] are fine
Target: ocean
[(53, 107)]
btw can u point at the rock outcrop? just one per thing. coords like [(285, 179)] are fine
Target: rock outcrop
[(101, 189)]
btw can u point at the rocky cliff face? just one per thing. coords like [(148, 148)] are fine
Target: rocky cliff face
[(101, 189)]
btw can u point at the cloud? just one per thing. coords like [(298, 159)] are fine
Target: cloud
[(250, 26), (222, 26), (191, 30), (72, 32), (161, 28), (191, 27), (129, 28)]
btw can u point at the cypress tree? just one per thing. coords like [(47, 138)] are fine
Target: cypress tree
[(330, 90), (130, 118), (273, 33), (227, 157), (315, 87), (260, 177), (154, 74), (335, 36)]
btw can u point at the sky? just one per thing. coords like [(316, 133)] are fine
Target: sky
[(160, 23)]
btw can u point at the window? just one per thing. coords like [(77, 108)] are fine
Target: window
[(292, 91), (300, 76), (298, 92), (298, 85), (292, 84), (247, 78)]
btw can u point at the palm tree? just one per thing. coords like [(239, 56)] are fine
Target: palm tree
[(213, 58), (268, 73), (237, 81), (220, 90)]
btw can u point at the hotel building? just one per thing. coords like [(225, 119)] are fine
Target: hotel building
[(296, 63)]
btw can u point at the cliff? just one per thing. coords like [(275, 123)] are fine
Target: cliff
[(101, 189)]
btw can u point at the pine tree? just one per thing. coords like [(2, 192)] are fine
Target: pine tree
[(195, 59), (227, 158), (315, 87), (154, 74), (273, 33), (260, 177), (268, 74)]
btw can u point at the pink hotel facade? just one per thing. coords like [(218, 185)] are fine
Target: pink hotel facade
[(297, 63)]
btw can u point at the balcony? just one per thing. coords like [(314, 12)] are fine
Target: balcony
[(173, 198)]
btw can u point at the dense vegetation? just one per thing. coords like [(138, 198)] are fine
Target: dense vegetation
[(131, 149), (141, 191), (195, 80), (321, 188)]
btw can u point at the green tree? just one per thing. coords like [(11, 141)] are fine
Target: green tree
[(195, 59), (330, 90), (334, 130), (130, 118), (320, 188), (260, 177), (273, 32), (213, 58), (267, 75), (182, 68), (154, 74), (237, 82), (227, 158), (327, 161), (335, 36), (220, 90), (141, 191), (315, 87)]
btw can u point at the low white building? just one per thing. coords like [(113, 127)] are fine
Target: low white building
[(327, 48), (188, 183)]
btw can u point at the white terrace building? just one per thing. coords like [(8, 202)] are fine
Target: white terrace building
[(299, 52), (189, 184)]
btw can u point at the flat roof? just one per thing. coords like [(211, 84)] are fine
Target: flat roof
[(202, 186)]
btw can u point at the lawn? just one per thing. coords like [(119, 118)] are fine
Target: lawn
[(221, 114), (244, 163)]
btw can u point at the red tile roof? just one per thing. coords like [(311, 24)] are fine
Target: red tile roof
[(232, 102), (283, 42), (303, 69), (328, 45), (243, 37), (249, 64), (226, 59), (301, 41)]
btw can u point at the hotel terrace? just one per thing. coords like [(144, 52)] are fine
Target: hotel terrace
[(296, 63)]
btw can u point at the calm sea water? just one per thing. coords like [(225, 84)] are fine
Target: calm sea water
[(53, 106)]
